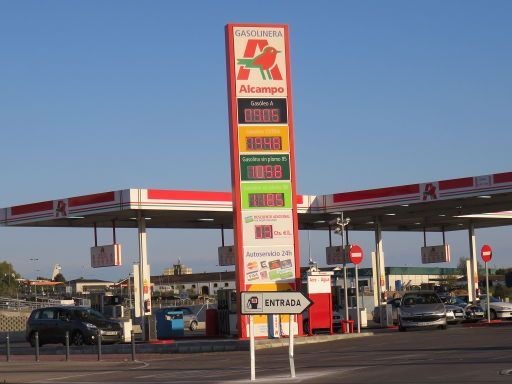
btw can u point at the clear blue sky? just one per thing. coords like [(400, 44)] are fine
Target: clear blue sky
[(106, 95)]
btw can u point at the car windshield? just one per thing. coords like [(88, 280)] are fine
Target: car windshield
[(493, 299), (89, 314), (420, 298), (454, 300)]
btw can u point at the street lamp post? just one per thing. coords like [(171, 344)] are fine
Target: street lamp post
[(35, 277), (340, 225)]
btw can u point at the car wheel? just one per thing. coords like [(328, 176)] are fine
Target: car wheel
[(78, 338), (493, 314), (401, 328), (193, 325), (443, 327)]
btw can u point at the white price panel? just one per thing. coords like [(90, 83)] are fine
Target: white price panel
[(265, 228), (269, 264)]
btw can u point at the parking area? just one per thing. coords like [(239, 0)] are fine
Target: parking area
[(458, 354)]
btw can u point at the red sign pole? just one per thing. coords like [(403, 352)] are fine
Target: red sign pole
[(356, 256), (486, 255)]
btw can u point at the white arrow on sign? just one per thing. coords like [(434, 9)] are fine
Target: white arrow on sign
[(268, 303)]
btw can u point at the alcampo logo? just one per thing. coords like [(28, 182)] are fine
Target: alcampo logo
[(265, 61)]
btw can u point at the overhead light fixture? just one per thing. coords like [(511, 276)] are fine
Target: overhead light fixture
[(484, 197), (417, 223), (404, 205), (370, 222), (206, 220), (441, 215), (390, 214), (134, 218), (459, 207), (319, 222), (76, 217)]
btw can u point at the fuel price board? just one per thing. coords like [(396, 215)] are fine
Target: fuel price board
[(262, 160)]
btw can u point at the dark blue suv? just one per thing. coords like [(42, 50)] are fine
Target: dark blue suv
[(82, 323)]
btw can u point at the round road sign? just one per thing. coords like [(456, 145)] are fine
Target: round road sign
[(356, 254), (486, 253)]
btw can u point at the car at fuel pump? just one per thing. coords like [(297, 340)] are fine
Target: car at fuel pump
[(498, 309), (82, 324), (421, 309)]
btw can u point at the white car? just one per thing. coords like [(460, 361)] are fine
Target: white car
[(499, 309)]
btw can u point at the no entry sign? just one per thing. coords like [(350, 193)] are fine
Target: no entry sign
[(356, 254), (486, 253)]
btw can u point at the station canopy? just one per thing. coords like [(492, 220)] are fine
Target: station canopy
[(484, 201)]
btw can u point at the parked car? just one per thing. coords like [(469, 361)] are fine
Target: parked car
[(498, 309), (454, 314), (395, 304), (337, 317), (82, 324), (472, 312), (189, 317), (421, 309)]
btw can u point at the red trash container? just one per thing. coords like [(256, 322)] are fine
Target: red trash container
[(212, 322)]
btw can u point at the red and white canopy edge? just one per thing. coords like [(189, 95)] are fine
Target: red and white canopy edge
[(452, 204)]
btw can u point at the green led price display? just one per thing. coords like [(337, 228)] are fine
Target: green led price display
[(268, 195), (266, 200), (265, 167)]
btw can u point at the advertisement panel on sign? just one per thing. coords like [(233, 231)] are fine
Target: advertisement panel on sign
[(266, 228), (146, 289), (106, 256), (260, 55), (435, 254), (269, 264)]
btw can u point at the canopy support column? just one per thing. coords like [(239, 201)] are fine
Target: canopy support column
[(473, 262), (143, 265), (379, 261)]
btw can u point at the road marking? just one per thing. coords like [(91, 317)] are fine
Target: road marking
[(71, 376), (301, 376), (144, 365)]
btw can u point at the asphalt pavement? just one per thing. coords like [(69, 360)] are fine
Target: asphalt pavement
[(456, 355)]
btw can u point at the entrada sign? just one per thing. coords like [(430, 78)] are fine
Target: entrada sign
[(268, 303)]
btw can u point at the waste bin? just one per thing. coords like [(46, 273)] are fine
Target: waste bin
[(169, 323), (212, 323), (347, 326)]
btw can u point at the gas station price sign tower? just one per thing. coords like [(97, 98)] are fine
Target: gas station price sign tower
[(262, 161)]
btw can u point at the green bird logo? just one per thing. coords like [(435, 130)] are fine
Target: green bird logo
[(264, 61)]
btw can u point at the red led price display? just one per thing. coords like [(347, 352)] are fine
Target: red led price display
[(266, 200), (258, 143), (267, 115), (265, 172), (262, 111), (263, 232)]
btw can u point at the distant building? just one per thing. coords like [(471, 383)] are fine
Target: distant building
[(204, 284), (88, 285), (178, 269)]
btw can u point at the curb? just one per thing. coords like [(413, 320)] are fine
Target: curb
[(485, 323)]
